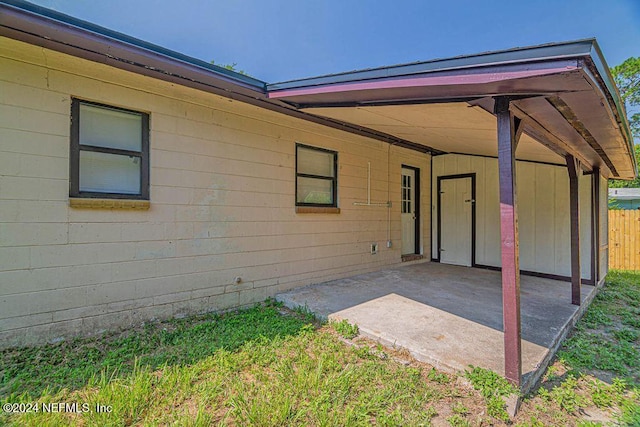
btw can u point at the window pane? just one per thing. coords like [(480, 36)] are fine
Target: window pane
[(109, 173), (313, 190), (104, 127), (315, 162)]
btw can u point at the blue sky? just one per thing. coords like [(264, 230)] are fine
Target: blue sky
[(277, 40)]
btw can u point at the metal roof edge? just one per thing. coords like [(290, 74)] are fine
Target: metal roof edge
[(604, 72), (70, 21), (549, 51)]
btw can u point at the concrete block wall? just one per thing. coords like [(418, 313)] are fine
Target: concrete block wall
[(222, 204)]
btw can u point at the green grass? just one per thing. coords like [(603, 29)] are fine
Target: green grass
[(457, 420), (178, 342), (266, 366), (346, 329), (254, 367), (602, 356), (438, 377), (493, 388), (606, 339)]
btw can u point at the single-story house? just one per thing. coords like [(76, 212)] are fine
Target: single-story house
[(139, 183), (624, 198)]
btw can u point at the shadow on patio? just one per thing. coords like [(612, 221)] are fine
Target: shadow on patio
[(448, 316)]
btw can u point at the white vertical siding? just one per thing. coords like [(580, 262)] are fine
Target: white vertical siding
[(604, 228), (586, 225), (543, 213)]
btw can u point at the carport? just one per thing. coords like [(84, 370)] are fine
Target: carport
[(553, 104)]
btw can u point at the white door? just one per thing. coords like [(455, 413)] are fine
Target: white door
[(455, 221), (408, 215)]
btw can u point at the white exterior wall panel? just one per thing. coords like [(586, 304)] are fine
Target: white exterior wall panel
[(604, 227), (543, 213)]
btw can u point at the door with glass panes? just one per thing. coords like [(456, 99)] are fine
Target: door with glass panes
[(410, 210)]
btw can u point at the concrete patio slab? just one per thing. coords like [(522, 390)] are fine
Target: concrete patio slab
[(448, 316)]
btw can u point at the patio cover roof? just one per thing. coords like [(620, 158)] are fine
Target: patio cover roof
[(563, 92)]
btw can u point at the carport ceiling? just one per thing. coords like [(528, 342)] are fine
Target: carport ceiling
[(455, 127)]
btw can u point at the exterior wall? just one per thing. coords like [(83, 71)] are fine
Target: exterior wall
[(222, 204), (543, 213)]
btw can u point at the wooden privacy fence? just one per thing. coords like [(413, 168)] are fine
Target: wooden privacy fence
[(624, 239)]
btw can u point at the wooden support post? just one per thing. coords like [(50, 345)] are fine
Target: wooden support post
[(509, 130), (573, 166)]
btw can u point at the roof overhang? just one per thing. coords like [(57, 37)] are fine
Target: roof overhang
[(563, 93)]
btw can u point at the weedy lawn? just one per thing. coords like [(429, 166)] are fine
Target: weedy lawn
[(268, 366)]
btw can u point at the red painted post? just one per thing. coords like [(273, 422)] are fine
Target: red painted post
[(507, 143), (574, 213)]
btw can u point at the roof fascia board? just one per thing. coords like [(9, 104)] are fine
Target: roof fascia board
[(616, 115), (481, 76), (604, 79), (513, 56)]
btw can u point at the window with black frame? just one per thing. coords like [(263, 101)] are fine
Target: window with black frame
[(316, 176), (109, 152)]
